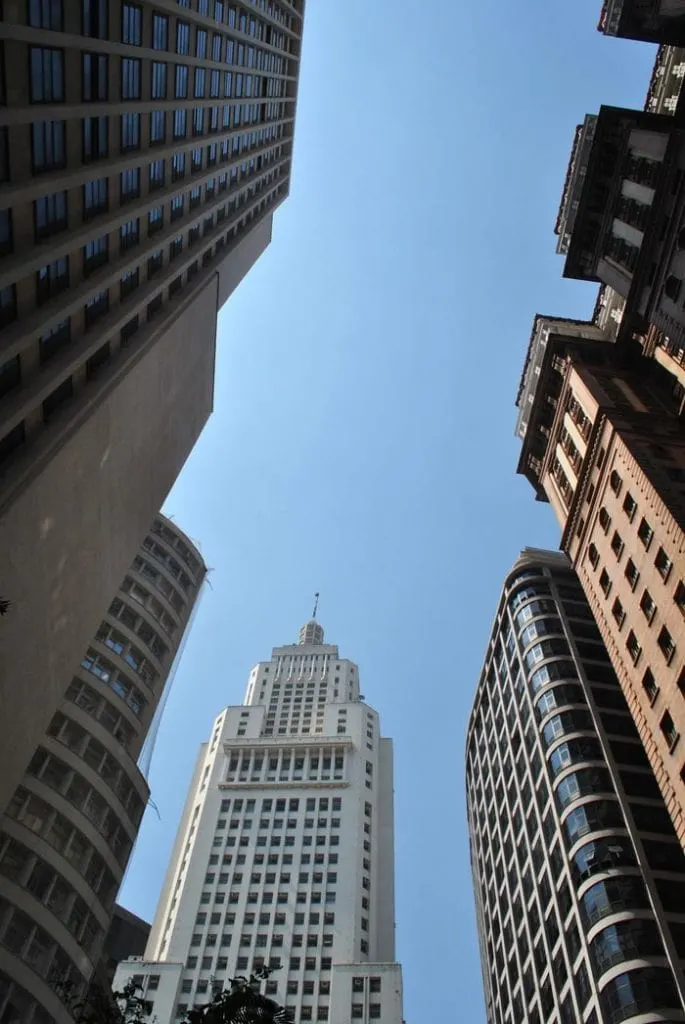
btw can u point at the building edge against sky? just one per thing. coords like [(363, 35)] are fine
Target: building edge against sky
[(127, 218), (284, 855), (579, 877), (69, 828)]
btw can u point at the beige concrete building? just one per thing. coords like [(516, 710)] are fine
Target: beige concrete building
[(604, 445), (143, 150), (68, 832)]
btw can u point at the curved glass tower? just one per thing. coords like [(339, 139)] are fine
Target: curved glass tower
[(67, 834), (579, 877)]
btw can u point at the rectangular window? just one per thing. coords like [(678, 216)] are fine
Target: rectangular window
[(131, 24), (157, 174), (181, 82), (130, 132), (47, 143), (95, 197), (645, 533), (159, 80), (631, 573), (47, 75), (198, 120), (666, 644), (130, 78), (648, 606), (46, 14), (201, 43), (157, 127), (160, 32), (178, 166), (199, 87), (633, 646), (96, 19), (679, 597), (52, 279), (629, 506), (129, 184), (604, 582), (95, 138), (617, 544), (95, 254), (129, 234), (663, 564), (50, 214), (180, 123), (53, 340), (94, 77), (668, 728), (182, 38), (650, 686)]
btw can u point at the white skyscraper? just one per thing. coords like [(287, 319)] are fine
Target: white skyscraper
[(284, 854)]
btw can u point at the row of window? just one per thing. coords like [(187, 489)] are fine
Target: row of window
[(77, 739), (58, 776), (26, 869), (264, 918), (42, 819)]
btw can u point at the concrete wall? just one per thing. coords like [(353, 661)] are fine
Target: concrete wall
[(68, 537)]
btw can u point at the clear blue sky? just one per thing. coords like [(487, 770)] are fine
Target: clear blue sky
[(362, 440)]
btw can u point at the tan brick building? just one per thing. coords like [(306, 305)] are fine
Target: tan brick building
[(143, 150), (604, 445)]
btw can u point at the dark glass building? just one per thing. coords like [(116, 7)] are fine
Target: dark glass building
[(579, 877)]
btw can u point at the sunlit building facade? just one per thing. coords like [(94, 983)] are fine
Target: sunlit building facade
[(578, 874)]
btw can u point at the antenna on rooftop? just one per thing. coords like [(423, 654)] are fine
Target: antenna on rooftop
[(316, 604)]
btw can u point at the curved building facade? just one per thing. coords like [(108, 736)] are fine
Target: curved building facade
[(68, 832), (579, 877)]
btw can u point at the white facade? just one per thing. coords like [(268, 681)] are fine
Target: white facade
[(284, 854)]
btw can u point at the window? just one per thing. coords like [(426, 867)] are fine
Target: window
[(157, 127), (52, 279), (663, 564), (605, 582), (95, 253), (94, 77), (618, 612), (180, 121), (157, 174), (50, 214), (47, 75), (130, 78), (96, 307), (631, 573), (181, 82), (96, 19), (645, 533), (667, 726), (53, 340), (629, 506), (182, 37), (649, 685), (47, 143), (95, 138), (129, 184), (131, 24), (57, 398), (128, 283), (648, 606), (46, 14), (604, 519), (617, 544), (160, 32), (615, 482), (666, 644), (593, 556), (159, 80), (129, 234), (633, 646), (130, 132), (178, 166)]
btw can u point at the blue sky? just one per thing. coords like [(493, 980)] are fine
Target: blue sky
[(362, 440)]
